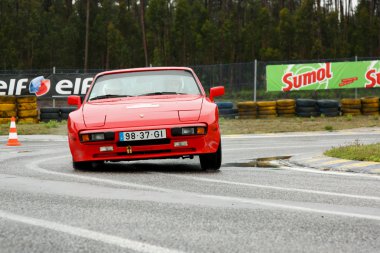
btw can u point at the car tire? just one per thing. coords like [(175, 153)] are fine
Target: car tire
[(327, 103), (308, 114), (49, 110), (225, 105), (212, 161), (331, 114), (50, 116), (67, 109), (305, 102), (325, 110), (285, 102), (64, 116), (87, 165), (306, 109)]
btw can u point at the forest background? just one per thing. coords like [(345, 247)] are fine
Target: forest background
[(36, 34)]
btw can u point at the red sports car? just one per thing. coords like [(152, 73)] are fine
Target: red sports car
[(145, 113)]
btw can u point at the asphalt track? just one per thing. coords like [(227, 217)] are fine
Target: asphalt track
[(173, 206)]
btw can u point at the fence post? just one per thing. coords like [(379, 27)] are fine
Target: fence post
[(255, 81), (53, 98), (356, 89)]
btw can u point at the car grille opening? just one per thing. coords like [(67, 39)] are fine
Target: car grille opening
[(167, 153), (143, 142)]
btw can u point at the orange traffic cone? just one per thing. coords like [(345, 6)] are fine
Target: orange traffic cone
[(12, 140)]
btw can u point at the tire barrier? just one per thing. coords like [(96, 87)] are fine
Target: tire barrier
[(8, 109), (247, 110), (307, 108), (48, 116), (54, 113), (28, 121), (7, 100), (225, 113), (27, 109), (27, 99), (26, 106), (225, 105), (351, 106), (370, 106), (226, 110), (28, 114), (5, 120), (266, 109), (286, 107), (328, 107), (65, 111)]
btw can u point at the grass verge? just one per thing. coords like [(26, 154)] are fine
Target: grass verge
[(356, 151), (51, 127)]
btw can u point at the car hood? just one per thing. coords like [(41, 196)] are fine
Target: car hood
[(135, 112)]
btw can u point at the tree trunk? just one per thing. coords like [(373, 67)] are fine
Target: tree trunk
[(143, 31), (87, 35)]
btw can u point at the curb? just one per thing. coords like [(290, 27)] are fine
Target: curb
[(326, 163)]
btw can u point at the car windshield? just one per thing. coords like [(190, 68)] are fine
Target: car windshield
[(146, 83)]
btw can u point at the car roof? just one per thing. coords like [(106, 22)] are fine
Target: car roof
[(119, 71)]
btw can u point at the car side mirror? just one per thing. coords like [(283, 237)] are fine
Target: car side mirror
[(74, 100), (216, 92)]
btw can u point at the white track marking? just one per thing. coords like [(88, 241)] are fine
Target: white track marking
[(278, 135), (275, 187), (34, 166), (271, 147), (335, 173), (88, 234), (297, 208)]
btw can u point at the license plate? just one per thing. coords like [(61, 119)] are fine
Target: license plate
[(142, 135)]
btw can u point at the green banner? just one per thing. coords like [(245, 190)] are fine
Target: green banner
[(323, 76)]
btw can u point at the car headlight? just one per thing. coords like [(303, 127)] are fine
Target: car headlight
[(89, 137), (183, 131)]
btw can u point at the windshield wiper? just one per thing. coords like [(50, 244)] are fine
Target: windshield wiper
[(161, 93), (109, 96)]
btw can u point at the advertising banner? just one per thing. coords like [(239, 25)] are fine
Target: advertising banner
[(53, 85), (323, 76)]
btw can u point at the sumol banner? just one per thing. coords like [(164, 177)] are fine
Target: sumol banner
[(54, 85), (323, 76)]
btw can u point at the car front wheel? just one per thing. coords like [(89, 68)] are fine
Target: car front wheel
[(212, 161), (87, 165)]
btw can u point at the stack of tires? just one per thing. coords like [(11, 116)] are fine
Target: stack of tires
[(55, 113), (65, 111), (266, 109), (27, 111), (286, 107), (7, 109), (307, 108), (328, 107), (351, 106), (370, 105), (226, 109), (247, 110), (50, 113)]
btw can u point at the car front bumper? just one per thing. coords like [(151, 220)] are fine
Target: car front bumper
[(170, 147)]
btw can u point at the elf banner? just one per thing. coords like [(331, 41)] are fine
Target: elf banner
[(48, 86), (323, 76)]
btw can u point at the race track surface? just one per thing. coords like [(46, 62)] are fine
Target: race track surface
[(174, 206)]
